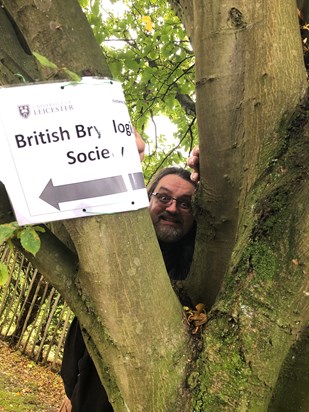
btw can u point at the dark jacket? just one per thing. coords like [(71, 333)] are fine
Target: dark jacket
[(81, 381)]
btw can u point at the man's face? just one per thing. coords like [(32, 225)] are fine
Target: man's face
[(172, 222)]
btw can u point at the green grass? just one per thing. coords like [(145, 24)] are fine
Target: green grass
[(15, 398)]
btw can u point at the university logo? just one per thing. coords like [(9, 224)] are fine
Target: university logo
[(24, 110)]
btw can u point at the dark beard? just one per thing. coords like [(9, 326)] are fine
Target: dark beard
[(168, 234), (178, 255)]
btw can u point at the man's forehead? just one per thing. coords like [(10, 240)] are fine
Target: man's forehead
[(172, 183)]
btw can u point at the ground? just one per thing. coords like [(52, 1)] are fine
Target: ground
[(26, 386)]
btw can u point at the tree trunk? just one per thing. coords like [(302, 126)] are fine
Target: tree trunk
[(252, 213), (131, 319), (250, 77), (252, 210), (58, 30)]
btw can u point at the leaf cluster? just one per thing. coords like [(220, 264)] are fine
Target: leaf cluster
[(148, 52)]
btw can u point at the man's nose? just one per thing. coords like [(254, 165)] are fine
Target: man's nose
[(172, 208)]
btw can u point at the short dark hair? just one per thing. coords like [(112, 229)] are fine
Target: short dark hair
[(178, 171)]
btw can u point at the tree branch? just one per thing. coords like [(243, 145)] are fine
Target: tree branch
[(56, 19)]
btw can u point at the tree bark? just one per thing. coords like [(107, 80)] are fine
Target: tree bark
[(59, 31), (253, 218), (252, 211), (131, 319), (247, 89)]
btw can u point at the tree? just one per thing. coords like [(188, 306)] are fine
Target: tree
[(251, 207), (155, 51)]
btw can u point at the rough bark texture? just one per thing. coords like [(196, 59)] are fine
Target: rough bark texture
[(135, 350), (263, 310), (15, 61), (247, 88), (252, 212), (253, 223), (114, 279), (59, 31)]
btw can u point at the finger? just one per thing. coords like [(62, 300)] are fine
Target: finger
[(193, 161), (195, 151), (194, 176), (140, 144)]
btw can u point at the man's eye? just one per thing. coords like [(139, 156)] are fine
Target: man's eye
[(164, 198), (185, 205)]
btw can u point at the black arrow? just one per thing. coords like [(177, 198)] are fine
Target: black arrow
[(53, 195)]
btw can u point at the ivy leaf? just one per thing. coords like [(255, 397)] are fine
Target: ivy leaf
[(30, 240), (4, 274), (7, 231), (44, 61)]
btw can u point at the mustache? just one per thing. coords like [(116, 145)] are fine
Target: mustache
[(174, 217)]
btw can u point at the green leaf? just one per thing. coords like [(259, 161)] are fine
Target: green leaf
[(44, 61), (7, 231), (147, 74), (73, 76), (132, 64), (4, 274), (39, 229), (152, 69), (115, 68), (170, 101), (30, 240), (83, 3)]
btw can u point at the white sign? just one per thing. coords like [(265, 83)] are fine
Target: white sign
[(68, 150)]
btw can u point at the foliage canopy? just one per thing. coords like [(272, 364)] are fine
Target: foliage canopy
[(148, 52)]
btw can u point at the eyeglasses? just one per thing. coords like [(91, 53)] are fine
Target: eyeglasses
[(166, 200)]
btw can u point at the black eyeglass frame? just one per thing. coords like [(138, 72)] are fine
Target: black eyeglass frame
[(183, 204)]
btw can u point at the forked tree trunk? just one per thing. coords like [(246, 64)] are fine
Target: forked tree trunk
[(253, 233), (131, 319), (253, 218), (250, 77)]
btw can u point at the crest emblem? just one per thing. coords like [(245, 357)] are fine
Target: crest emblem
[(24, 110)]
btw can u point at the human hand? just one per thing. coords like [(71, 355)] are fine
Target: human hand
[(66, 405), (140, 144), (194, 162)]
